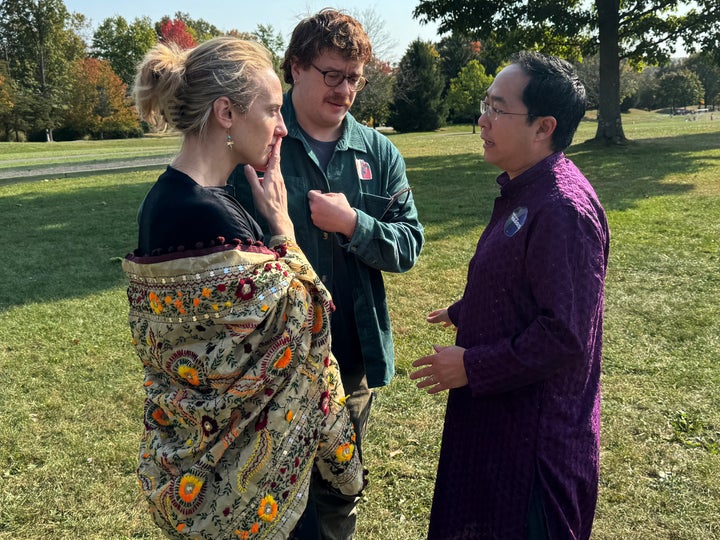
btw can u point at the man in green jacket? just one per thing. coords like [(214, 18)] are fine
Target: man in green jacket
[(354, 218)]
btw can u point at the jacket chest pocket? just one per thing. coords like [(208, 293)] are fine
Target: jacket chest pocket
[(375, 206)]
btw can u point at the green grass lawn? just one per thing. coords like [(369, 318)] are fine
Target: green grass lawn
[(72, 403), (33, 155)]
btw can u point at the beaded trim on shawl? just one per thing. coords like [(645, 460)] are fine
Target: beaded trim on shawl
[(243, 396)]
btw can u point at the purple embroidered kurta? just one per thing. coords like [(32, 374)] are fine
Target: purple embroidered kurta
[(531, 320)]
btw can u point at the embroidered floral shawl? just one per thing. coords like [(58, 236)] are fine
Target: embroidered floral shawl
[(242, 394)]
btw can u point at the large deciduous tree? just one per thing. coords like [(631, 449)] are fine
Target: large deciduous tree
[(466, 92), (637, 30), (708, 71), (455, 52), (679, 88), (372, 105), (274, 42), (199, 29), (123, 44), (417, 94), (382, 40), (98, 105), (40, 40), (176, 31), (6, 105)]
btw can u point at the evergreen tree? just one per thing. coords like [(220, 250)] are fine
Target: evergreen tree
[(417, 94)]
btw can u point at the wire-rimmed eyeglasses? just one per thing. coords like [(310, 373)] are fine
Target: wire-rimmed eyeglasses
[(395, 197), (494, 113), (334, 78)]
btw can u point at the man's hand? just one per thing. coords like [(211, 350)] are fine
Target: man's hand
[(441, 371), (331, 212), (440, 316)]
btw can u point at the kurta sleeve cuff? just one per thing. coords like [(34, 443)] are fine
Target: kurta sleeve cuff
[(454, 311)]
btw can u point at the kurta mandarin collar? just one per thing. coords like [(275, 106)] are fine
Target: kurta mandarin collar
[(511, 187)]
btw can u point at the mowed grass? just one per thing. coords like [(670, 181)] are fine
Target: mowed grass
[(20, 156), (72, 402)]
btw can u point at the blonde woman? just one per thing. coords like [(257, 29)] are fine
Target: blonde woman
[(243, 396)]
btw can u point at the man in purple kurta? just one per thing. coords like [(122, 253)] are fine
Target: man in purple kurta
[(520, 447)]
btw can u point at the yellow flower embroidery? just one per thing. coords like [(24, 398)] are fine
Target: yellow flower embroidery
[(190, 486), (155, 303), (190, 374), (344, 452), (268, 509)]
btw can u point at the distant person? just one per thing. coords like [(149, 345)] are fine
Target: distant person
[(353, 213), (242, 392), (520, 448)]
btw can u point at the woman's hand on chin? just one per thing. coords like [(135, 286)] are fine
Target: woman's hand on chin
[(270, 195)]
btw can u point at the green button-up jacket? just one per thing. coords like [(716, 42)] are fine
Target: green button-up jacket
[(370, 171)]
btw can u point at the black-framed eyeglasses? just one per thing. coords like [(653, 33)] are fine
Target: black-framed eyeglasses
[(334, 78), (494, 113)]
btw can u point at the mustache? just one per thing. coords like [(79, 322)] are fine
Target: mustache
[(337, 98)]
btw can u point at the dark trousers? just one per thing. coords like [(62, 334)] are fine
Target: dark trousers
[(537, 522), (329, 514)]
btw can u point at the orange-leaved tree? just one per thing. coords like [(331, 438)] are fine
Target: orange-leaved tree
[(98, 105)]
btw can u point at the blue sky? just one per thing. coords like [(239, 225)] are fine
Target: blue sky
[(246, 15)]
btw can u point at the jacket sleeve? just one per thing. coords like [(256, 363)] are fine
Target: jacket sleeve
[(389, 238)]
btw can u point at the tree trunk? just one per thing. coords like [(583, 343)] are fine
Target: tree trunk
[(609, 130)]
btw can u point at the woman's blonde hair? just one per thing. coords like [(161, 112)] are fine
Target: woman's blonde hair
[(182, 85)]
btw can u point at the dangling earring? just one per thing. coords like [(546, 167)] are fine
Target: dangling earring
[(228, 140)]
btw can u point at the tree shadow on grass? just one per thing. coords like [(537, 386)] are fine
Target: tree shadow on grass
[(456, 192), (67, 244)]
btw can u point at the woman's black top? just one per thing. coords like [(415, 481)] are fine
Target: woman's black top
[(179, 214)]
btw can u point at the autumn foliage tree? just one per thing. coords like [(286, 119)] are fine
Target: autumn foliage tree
[(372, 105), (176, 31), (6, 104), (98, 106)]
